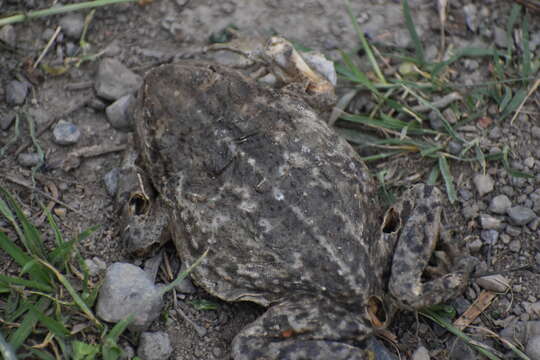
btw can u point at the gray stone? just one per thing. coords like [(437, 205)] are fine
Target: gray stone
[(72, 25), (515, 245), (114, 80), (28, 159), (535, 131), (501, 39), (489, 236), (454, 147), (6, 120), (185, 286), (515, 331), (475, 246), (7, 35), (95, 266), (128, 290), (16, 92), (420, 354), (489, 222), (66, 133), (497, 283), (495, 133), (154, 346), (521, 215), (71, 49), (119, 113), (111, 181), (500, 204), (471, 18), (461, 351), (484, 184), (533, 348)]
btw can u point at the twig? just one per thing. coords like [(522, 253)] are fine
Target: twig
[(518, 110), (45, 195), (47, 47)]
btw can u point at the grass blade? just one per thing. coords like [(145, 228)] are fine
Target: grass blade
[(419, 49), (6, 350), (25, 329), (448, 180), (365, 44)]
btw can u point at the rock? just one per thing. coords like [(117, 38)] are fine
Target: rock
[(534, 309), (471, 18), (489, 236), (454, 147), (95, 266), (500, 204), (6, 120), (72, 25), (16, 92), (119, 113), (28, 159), (420, 354), (489, 222), (111, 181), (501, 40), (154, 346), (185, 286), (535, 131), (484, 184), (71, 49), (128, 290), (515, 331), (515, 245), (533, 348), (461, 351), (7, 35), (475, 246), (521, 215), (114, 80), (497, 283), (66, 133)]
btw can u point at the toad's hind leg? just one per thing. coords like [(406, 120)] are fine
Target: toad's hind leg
[(305, 329), (420, 217)]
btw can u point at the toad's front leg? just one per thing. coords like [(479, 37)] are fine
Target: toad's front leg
[(420, 226)]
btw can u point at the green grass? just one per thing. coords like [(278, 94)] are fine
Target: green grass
[(418, 82), (45, 299)]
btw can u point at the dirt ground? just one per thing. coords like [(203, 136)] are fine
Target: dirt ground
[(143, 36)]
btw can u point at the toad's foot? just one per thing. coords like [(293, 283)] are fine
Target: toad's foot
[(307, 329), (418, 229)]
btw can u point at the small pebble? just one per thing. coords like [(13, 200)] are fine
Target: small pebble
[(72, 25), (533, 348), (154, 346), (28, 159), (500, 204), (111, 181), (484, 184), (66, 133), (521, 215), (489, 236), (475, 246), (16, 92), (115, 80), (535, 131), (119, 113), (497, 283), (515, 246), (6, 120), (501, 39), (420, 354), (7, 35), (489, 222)]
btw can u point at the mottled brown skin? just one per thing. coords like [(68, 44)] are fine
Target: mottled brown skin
[(287, 210)]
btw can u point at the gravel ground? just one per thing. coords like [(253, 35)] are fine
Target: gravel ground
[(498, 214)]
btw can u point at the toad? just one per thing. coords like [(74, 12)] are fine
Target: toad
[(287, 211)]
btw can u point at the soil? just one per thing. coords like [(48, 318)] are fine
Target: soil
[(160, 31)]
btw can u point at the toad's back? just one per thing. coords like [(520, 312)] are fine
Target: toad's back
[(254, 175)]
